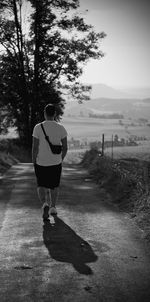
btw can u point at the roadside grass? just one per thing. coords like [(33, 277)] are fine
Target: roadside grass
[(74, 157), (12, 152), (127, 180)]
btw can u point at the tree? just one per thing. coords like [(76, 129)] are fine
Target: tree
[(42, 58)]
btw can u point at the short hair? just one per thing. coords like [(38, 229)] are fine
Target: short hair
[(50, 110)]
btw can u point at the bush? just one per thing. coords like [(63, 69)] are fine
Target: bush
[(113, 175), (89, 156), (15, 148)]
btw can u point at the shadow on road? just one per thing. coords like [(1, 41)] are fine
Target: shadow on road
[(65, 245)]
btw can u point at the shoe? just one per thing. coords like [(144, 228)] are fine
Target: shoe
[(45, 212), (53, 211)]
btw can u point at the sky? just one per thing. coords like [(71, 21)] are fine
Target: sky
[(126, 63), (126, 46)]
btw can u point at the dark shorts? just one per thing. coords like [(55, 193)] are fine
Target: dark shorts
[(48, 176)]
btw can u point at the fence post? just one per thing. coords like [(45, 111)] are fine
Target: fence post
[(103, 142), (112, 146)]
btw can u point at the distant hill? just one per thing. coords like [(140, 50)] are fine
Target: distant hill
[(107, 100), (104, 91), (147, 100), (140, 93), (132, 108)]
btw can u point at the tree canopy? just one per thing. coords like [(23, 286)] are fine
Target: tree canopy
[(44, 47)]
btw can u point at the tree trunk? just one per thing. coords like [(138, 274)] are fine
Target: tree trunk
[(36, 61), (24, 130)]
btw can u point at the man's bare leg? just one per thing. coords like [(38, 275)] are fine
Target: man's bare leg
[(54, 199), (41, 194), (44, 197), (48, 196)]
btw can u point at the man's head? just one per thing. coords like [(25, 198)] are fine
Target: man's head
[(49, 111)]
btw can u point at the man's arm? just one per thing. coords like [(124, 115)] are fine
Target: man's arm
[(64, 147), (35, 148)]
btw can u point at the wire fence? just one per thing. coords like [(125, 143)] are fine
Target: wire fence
[(138, 160)]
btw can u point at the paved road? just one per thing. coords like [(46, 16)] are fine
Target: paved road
[(88, 252)]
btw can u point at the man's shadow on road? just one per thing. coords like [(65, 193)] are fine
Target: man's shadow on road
[(65, 245)]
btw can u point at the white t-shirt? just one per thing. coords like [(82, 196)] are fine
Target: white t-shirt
[(56, 132)]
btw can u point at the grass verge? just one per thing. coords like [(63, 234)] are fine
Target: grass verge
[(12, 152), (128, 183)]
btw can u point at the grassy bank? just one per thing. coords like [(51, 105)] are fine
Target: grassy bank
[(11, 152), (127, 180)]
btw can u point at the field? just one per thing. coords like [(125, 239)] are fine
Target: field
[(90, 129), (93, 128), (141, 152)]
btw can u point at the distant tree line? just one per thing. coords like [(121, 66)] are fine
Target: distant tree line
[(117, 142), (106, 116)]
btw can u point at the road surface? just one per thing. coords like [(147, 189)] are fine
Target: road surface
[(89, 252)]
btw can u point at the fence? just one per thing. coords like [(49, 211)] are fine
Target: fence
[(110, 148)]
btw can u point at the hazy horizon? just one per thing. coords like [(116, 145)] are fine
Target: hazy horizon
[(118, 87)]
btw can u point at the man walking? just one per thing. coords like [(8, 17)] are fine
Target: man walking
[(49, 148)]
